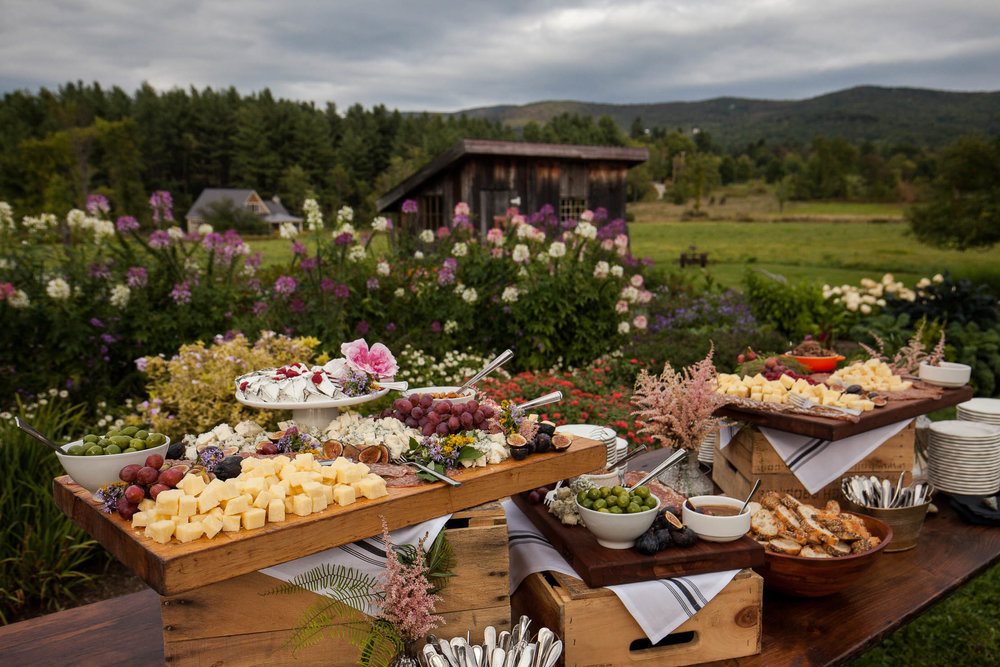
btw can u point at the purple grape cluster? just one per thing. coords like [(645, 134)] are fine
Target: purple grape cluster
[(422, 411)]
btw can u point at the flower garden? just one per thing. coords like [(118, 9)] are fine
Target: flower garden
[(115, 319)]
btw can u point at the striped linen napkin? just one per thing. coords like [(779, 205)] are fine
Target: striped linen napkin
[(366, 555), (659, 606), (816, 462)]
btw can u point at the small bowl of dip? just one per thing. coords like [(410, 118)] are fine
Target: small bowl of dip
[(716, 518)]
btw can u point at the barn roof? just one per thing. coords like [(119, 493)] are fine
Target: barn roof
[(470, 147)]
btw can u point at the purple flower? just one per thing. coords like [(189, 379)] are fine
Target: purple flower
[(327, 284), (309, 263), (342, 291), (435, 327), (284, 285), (445, 276), (451, 263), (97, 204), (298, 248), (409, 206), (372, 283), (94, 322), (161, 203), (361, 327), (159, 239), (137, 277), (390, 327), (297, 306), (141, 363), (212, 242), (460, 219), (259, 308), (647, 261), (99, 271), (107, 338), (181, 294), (346, 238)]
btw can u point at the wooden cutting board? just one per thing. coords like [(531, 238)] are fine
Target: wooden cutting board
[(599, 566), (174, 567), (836, 429)]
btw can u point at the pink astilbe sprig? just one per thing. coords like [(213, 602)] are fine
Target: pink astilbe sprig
[(407, 603), (676, 407)]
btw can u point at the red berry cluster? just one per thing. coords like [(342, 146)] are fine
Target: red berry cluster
[(146, 481), (443, 417)]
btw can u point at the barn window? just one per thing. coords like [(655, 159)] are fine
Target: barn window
[(430, 207), (571, 208)]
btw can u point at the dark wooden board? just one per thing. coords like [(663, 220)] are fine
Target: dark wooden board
[(174, 567), (599, 566), (837, 429)]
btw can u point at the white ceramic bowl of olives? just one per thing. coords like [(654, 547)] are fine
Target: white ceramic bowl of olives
[(616, 518), (93, 469)]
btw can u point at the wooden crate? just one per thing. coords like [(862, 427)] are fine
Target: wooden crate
[(596, 629), (231, 623), (750, 456)]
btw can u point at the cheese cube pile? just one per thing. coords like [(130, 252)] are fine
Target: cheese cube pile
[(265, 492), (872, 375), (759, 388)]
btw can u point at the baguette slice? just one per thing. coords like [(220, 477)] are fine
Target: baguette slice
[(764, 524), (783, 545), (812, 552)]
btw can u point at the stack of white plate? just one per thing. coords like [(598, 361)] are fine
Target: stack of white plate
[(964, 457), (986, 410), (601, 433), (706, 452)]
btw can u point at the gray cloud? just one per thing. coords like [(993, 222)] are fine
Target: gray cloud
[(449, 54)]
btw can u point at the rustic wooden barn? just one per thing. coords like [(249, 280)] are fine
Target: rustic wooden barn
[(490, 176)]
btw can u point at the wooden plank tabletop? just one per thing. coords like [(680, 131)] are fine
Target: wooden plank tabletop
[(806, 632), (599, 566), (174, 567), (836, 429)]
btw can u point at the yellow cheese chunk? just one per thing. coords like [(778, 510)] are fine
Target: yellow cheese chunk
[(231, 523), (146, 504), (217, 513), (180, 520), (319, 503), (348, 475), (160, 531), (208, 499), (373, 486), (276, 510), (187, 505), (212, 526), (280, 461), (236, 505), (140, 520), (343, 494), (254, 518), (289, 503), (167, 501), (301, 505), (262, 499), (192, 484), (189, 531), (313, 490)]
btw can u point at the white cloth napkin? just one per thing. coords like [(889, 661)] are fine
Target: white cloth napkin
[(658, 606), (366, 555), (816, 462)]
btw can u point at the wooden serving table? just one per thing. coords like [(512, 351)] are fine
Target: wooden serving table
[(174, 567), (801, 631), (827, 428)]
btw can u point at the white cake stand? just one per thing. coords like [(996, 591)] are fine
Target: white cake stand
[(317, 413)]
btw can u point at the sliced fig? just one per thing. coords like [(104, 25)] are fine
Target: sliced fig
[(384, 451), (547, 427), (351, 452), (672, 520), (332, 449), (561, 442), (516, 440), (370, 455), (879, 401), (276, 436)]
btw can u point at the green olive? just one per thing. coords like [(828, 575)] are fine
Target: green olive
[(94, 450), (130, 430), (594, 493), (112, 449), (76, 450), (141, 435), (600, 504), (90, 437), (641, 491), (616, 510)]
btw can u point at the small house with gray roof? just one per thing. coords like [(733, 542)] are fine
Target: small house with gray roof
[(272, 211)]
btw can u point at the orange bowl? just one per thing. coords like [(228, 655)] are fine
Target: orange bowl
[(816, 577), (818, 364)]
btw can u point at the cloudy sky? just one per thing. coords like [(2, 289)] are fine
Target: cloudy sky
[(446, 55)]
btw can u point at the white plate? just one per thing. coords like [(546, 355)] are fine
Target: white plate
[(965, 430), (986, 406), (310, 405)]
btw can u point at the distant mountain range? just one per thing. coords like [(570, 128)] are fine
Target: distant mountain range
[(867, 113)]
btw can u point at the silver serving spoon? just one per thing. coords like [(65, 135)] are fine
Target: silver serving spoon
[(553, 397), (676, 457), (752, 492), (30, 430), (553, 654)]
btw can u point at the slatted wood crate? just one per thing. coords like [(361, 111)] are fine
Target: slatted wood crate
[(230, 623), (750, 456), (597, 629)]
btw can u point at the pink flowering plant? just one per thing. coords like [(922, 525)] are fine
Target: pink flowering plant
[(379, 615)]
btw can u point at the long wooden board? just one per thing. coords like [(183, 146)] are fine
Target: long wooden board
[(173, 568), (836, 429), (599, 566)]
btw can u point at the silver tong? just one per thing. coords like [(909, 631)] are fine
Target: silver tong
[(553, 397), (501, 359), (676, 457)]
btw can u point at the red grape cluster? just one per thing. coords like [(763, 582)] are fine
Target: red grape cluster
[(146, 481), (774, 369), (422, 411)]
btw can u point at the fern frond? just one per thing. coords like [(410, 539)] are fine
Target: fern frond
[(343, 582), (440, 561), (324, 614)]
